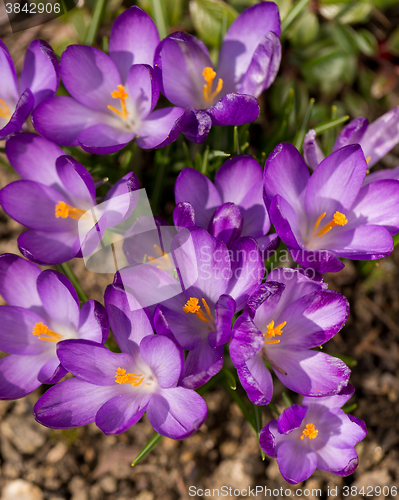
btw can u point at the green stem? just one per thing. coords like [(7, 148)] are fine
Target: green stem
[(331, 133), (160, 175), (258, 425), (156, 439), (159, 15), (205, 161), (97, 15), (298, 142), (73, 279)]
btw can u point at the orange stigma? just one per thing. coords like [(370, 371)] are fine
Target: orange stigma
[(338, 220), (122, 377), (192, 306), (309, 431), (63, 210), (45, 333), (122, 95), (272, 331), (4, 110), (209, 76)]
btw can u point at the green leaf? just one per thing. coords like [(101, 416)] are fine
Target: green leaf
[(330, 124), (366, 42), (346, 359), (152, 443), (258, 425), (345, 37), (298, 141), (293, 14), (349, 408), (393, 42), (230, 378), (396, 239), (287, 400), (159, 15), (65, 269), (305, 30), (98, 11), (346, 12), (210, 17)]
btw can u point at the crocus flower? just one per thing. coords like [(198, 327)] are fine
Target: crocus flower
[(248, 64), (43, 308), (39, 80), (115, 389), (329, 214), (216, 283), (54, 194), (285, 318), (316, 435), (376, 140), (113, 97), (231, 207)]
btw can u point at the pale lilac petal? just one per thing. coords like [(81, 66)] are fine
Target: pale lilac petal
[(18, 375), (247, 340), (164, 358), (103, 139), (194, 124), (133, 40), (71, 403), (18, 282), (49, 248), (256, 380), (234, 109), (157, 129), (331, 402), (363, 242), (16, 335), (121, 412), (286, 221), (321, 261), (93, 322), (9, 84), (20, 114), (177, 413), (224, 311), (296, 463), (389, 173), (142, 88), (334, 459), (291, 418), (311, 150), (193, 187), (351, 133), (226, 224), (77, 182), (51, 372), (40, 72)]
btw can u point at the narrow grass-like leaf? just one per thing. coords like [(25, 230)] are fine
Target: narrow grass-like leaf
[(330, 124), (350, 408), (258, 425), (64, 268), (293, 14), (96, 17), (187, 155), (287, 400), (158, 11), (300, 136), (243, 407), (230, 378), (236, 144), (331, 134), (204, 167), (396, 239), (152, 443)]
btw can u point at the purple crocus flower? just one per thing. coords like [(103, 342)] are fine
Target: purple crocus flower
[(115, 389), (330, 214), (54, 194), (316, 435), (376, 140), (39, 80), (231, 207), (282, 321), (113, 97), (216, 283), (248, 64), (43, 308)]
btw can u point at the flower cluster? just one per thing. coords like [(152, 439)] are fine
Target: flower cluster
[(188, 290)]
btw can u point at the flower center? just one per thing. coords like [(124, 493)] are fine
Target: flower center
[(162, 262), (122, 377), (122, 95), (338, 220), (309, 431), (209, 76), (45, 333), (193, 307), (63, 210), (4, 110), (272, 331)]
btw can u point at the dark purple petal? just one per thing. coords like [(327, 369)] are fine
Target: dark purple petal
[(195, 125), (184, 214), (340, 461), (40, 72), (285, 220), (322, 261), (71, 403), (226, 224), (16, 335), (351, 133), (247, 340), (263, 68), (59, 298), (164, 357), (133, 40), (267, 441), (224, 310), (121, 412), (18, 375), (234, 109), (18, 282), (176, 413), (33, 158), (193, 187), (49, 248), (9, 84), (296, 461), (264, 300), (311, 150), (201, 364), (77, 182), (103, 139), (93, 322), (242, 40), (358, 422), (51, 372), (90, 76), (23, 108), (381, 136), (291, 418), (75, 118), (159, 128), (256, 380)]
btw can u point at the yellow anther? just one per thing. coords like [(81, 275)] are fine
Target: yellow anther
[(163, 261), (63, 210), (209, 75), (4, 110), (45, 333), (192, 306), (309, 431), (122, 377), (338, 220), (272, 331), (122, 95), (368, 159)]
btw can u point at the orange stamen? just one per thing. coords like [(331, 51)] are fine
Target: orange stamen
[(122, 377), (4, 110), (45, 333), (192, 306), (63, 210), (122, 95), (368, 159), (272, 331), (162, 262), (309, 432), (338, 220), (209, 75)]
